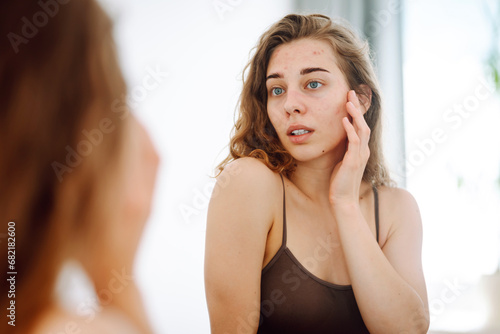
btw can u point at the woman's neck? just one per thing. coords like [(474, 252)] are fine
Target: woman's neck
[(313, 177)]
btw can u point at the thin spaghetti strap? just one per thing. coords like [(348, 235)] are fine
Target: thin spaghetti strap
[(375, 194), (284, 214)]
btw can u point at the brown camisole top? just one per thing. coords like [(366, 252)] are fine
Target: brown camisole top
[(294, 301)]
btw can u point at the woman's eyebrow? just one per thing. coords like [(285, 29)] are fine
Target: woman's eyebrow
[(302, 72), (274, 76), (312, 69)]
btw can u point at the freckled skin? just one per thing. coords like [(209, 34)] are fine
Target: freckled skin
[(321, 109)]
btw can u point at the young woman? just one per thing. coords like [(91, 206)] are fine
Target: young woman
[(305, 233), (76, 169)]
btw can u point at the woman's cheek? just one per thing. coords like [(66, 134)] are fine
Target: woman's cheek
[(341, 108), (276, 122)]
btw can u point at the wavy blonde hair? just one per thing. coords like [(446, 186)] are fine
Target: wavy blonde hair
[(253, 134)]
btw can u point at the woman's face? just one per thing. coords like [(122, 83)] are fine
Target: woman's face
[(307, 96)]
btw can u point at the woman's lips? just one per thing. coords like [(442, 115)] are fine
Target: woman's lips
[(299, 139)]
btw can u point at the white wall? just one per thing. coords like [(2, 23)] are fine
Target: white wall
[(453, 160)]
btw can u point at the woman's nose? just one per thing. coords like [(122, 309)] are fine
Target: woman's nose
[(294, 103)]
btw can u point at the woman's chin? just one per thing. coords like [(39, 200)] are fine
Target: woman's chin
[(321, 155), (304, 156)]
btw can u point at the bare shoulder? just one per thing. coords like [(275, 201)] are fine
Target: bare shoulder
[(59, 321), (398, 198), (249, 166), (247, 175), (244, 198), (399, 209)]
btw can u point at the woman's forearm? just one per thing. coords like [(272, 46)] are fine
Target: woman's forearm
[(386, 301)]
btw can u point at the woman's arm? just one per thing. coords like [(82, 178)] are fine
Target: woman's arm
[(388, 284), (240, 215)]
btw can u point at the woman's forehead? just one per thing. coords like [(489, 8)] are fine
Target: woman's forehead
[(304, 52)]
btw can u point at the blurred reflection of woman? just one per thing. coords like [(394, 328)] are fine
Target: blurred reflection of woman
[(76, 172)]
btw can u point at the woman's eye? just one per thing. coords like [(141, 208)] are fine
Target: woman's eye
[(277, 91), (314, 85)]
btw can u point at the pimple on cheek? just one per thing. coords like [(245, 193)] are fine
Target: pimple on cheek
[(318, 52)]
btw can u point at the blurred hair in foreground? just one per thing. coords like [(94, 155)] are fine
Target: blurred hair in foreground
[(66, 152)]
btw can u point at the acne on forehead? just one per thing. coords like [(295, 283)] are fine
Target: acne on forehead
[(278, 50), (319, 49)]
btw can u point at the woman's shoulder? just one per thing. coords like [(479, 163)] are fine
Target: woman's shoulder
[(56, 320), (398, 207), (249, 166), (246, 187), (396, 197), (249, 174)]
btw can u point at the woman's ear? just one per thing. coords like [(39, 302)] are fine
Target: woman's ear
[(365, 98)]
